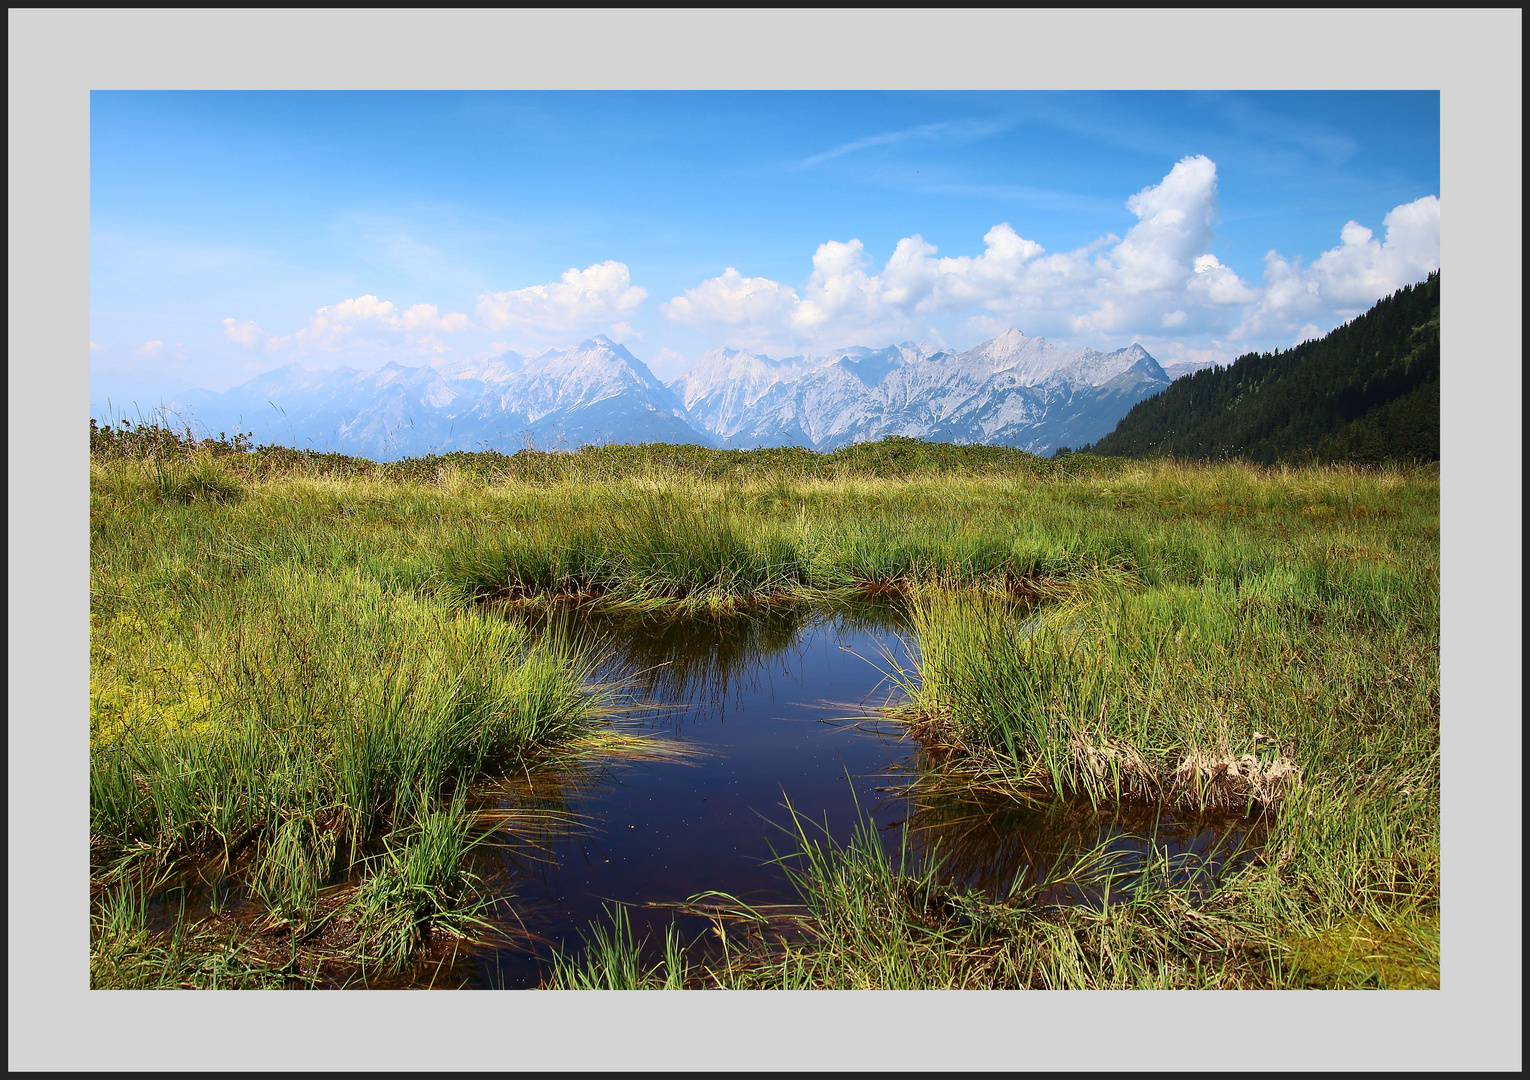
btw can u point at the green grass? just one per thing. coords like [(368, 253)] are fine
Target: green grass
[(418, 888), (1367, 954), (294, 672), (126, 955), (613, 959), (871, 920), (266, 713)]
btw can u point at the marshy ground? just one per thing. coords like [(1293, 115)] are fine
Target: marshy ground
[(307, 672)]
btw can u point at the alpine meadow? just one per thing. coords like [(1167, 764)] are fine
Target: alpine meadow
[(722, 643)]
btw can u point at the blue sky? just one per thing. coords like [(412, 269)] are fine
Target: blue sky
[(232, 233)]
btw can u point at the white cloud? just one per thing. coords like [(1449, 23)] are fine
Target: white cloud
[(1360, 271), (1217, 284), (1174, 227), (332, 323), (841, 296), (1160, 275), (243, 333), (732, 300), (94, 346), (250, 335), (1161, 278), (1346, 280), (338, 325), (915, 281), (839, 292), (149, 348), (957, 130), (425, 317), (599, 295), (427, 345)]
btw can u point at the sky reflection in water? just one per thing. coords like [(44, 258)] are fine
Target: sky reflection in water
[(775, 708)]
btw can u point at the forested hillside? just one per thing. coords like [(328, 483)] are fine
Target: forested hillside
[(1367, 392)]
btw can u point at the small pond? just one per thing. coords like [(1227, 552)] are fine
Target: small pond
[(749, 714), (742, 717)]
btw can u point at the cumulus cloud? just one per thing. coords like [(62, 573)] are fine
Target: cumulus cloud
[(843, 295), (839, 292), (243, 333), (1160, 280), (149, 348), (598, 295), (426, 317), (1159, 276), (1216, 284), (733, 300), (1346, 280), (337, 325), (1361, 270), (250, 335), (1176, 216), (332, 323), (1006, 269)]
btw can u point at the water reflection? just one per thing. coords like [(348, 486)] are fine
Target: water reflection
[(1060, 852), (750, 713), (708, 662)]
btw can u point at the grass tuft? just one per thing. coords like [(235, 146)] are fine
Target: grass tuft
[(613, 959)]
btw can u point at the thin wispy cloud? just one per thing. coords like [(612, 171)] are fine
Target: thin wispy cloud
[(1311, 138), (1277, 142), (953, 130), (1038, 198)]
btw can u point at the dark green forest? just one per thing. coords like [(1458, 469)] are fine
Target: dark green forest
[(1368, 392)]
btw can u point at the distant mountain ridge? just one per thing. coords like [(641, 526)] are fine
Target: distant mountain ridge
[(1011, 390), (596, 392), (1368, 391)]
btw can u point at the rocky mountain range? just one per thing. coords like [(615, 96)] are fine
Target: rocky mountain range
[(596, 392), (1012, 390)]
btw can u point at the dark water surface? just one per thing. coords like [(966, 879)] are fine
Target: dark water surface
[(760, 712)]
